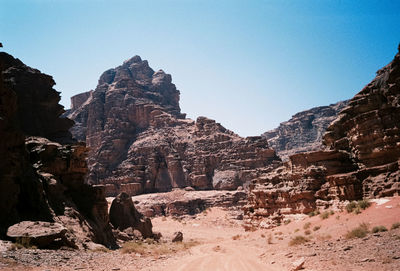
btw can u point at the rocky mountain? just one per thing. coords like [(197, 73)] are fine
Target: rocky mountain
[(140, 141), (42, 169), (362, 159), (304, 131)]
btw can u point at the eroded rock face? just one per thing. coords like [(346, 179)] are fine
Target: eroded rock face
[(140, 141), (42, 177), (123, 215), (304, 131), (362, 160)]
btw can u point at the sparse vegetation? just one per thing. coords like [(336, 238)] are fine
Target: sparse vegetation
[(287, 221), (379, 229), (269, 239), (313, 213), (324, 215), (351, 206), (316, 228), (298, 240), (296, 230), (307, 225), (363, 204), (356, 207), (101, 249), (359, 232), (395, 226), (156, 248), (324, 237), (307, 232), (236, 237)]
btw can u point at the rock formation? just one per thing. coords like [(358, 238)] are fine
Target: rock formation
[(41, 176), (140, 141), (304, 131), (362, 160), (123, 215)]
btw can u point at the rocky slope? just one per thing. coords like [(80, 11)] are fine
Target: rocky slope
[(304, 131), (362, 160), (140, 141), (41, 176)]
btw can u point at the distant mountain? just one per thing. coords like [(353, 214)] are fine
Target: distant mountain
[(304, 131), (141, 142)]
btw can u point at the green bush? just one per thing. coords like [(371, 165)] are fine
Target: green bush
[(351, 206)]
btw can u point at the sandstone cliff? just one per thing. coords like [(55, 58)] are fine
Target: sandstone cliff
[(42, 177), (304, 131), (140, 141), (362, 160)]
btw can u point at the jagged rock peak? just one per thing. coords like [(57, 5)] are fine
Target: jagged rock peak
[(304, 131), (140, 141)]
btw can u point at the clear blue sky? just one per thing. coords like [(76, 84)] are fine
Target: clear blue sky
[(248, 64)]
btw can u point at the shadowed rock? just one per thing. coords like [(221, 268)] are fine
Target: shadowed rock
[(123, 215)]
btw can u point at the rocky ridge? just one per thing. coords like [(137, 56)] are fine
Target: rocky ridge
[(362, 160), (304, 131), (42, 169), (140, 141)]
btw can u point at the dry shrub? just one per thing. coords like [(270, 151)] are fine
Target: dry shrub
[(359, 232), (307, 232), (395, 226), (324, 215), (307, 225), (378, 229), (156, 248), (236, 237), (298, 240), (316, 228)]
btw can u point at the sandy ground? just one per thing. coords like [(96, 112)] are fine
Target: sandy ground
[(224, 245)]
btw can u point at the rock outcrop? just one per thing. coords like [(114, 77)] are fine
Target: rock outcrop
[(140, 141), (123, 215), (304, 131), (361, 161), (42, 170)]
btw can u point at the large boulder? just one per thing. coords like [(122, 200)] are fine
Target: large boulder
[(123, 215), (39, 233)]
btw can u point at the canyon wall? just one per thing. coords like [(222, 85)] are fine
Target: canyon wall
[(361, 159), (140, 141), (42, 169)]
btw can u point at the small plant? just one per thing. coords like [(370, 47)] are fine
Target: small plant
[(269, 239), (307, 232), (363, 204), (395, 226), (236, 237), (378, 229), (313, 213), (324, 215), (359, 232), (351, 206), (357, 210), (287, 221), (101, 249), (307, 225), (338, 217), (296, 230), (316, 228), (298, 240)]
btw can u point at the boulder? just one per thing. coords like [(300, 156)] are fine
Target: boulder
[(177, 237), (123, 215), (39, 233)]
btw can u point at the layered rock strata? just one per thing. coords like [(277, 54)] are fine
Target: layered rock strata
[(361, 160), (140, 141), (304, 131), (41, 176)]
